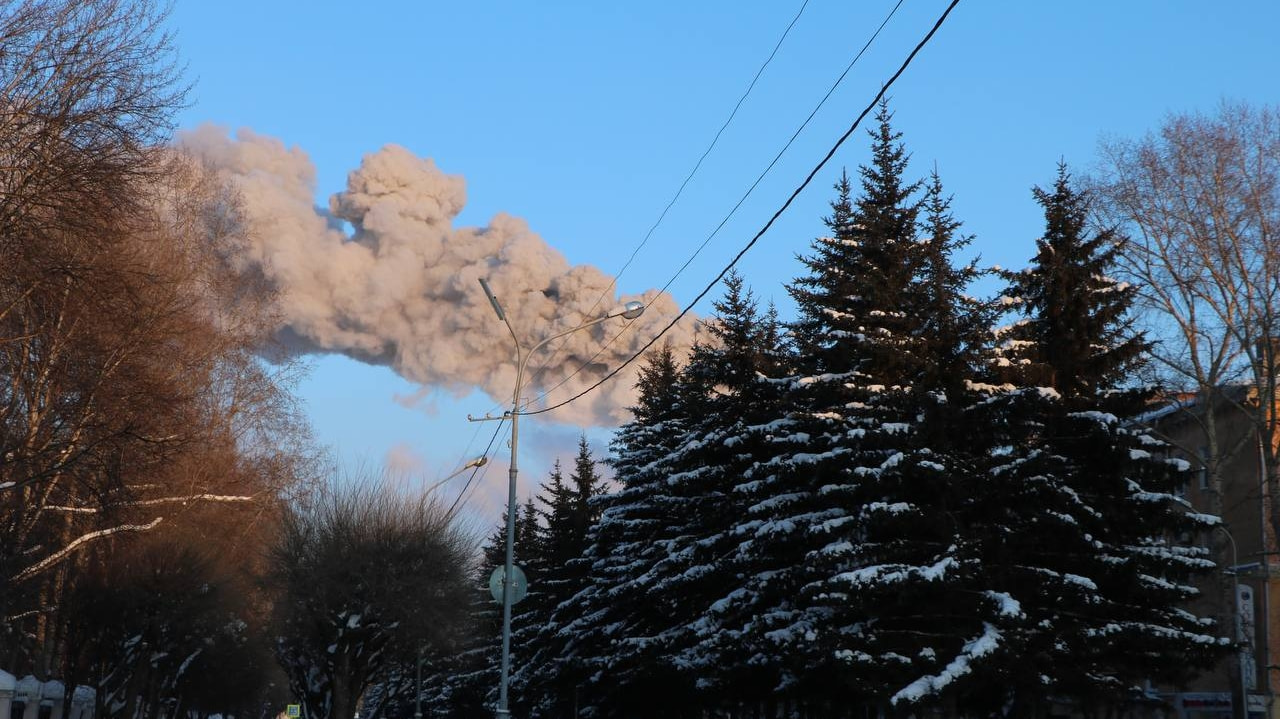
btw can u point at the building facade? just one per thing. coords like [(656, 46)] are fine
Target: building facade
[(1228, 470)]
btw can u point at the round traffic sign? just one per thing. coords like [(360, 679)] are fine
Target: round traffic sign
[(519, 584)]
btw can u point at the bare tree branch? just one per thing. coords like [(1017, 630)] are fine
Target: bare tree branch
[(76, 543)]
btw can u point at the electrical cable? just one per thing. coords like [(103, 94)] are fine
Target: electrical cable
[(466, 452), (783, 151), (734, 210), (710, 147), (785, 205), (467, 496), (458, 502), (679, 191)]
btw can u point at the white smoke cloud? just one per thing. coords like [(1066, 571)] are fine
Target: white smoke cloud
[(401, 287)]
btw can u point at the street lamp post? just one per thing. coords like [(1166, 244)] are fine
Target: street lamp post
[(629, 311), (1242, 656)]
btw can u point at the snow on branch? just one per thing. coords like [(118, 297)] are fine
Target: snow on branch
[(29, 613), (976, 648), (152, 502), (66, 551)]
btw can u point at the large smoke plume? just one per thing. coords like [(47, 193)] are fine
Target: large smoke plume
[(400, 286)]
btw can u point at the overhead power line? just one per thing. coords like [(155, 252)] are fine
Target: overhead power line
[(679, 191), (785, 205), (714, 140), (783, 151), (732, 211)]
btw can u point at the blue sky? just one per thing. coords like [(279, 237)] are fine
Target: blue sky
[(583, 118)]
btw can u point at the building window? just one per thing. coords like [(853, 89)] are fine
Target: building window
[(1181, 489), (1203, 472)]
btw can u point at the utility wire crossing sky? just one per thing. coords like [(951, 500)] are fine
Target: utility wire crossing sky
[(584, 120)]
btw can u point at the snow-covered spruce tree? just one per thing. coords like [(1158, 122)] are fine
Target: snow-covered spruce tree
[(1077, 335), (663, 655), (606, 627), (726, 395), (569, 510), (942, 604), (535, 555), (860, 587), (588, 488), (546, 684), (542, 545), (954, 331), (902, 599), (1091, 543)]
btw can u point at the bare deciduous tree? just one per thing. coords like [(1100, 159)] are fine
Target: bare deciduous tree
[(1200, 200), (163, 632), (86, 88), (133, 396), (367, 578)]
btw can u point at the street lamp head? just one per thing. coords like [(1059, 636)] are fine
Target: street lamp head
[(632, 310), (493, 300)]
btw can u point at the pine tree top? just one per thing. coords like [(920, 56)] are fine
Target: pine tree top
[(1078, 336)]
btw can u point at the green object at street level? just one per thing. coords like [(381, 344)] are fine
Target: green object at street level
[(519, 584), (293, 711)]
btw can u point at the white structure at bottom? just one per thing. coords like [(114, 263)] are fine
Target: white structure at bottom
[(8, 685), (30, 698)]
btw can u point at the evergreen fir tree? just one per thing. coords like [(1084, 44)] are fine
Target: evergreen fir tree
[(725, 395), (548, 683), (954, 326), (557, 507), (1091, 541), (1087, 538), (530, 545), (849, 303), (603, 628), (541, 537), (912, 563), (1077, 336), (847, 308), (862, 587), (588, 487)]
